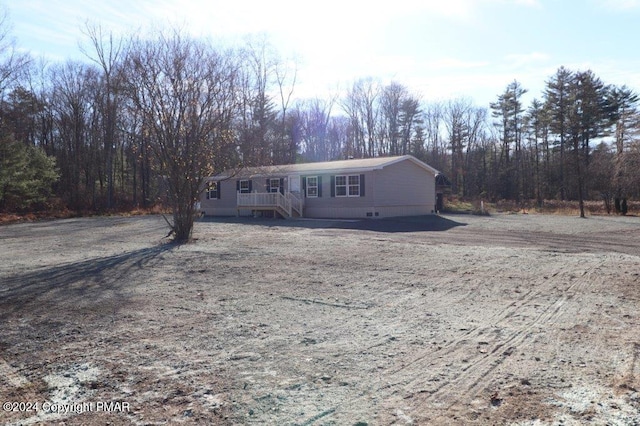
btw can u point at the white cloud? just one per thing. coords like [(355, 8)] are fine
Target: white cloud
[(338, 41)]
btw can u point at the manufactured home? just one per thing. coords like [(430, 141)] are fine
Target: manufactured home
[(358, 188)]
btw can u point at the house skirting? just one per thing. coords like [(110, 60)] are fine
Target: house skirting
[(366, 212), (339, 213)]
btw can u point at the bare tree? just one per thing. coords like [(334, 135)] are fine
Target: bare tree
[(286, 76), (14, 66), (313, 118), (435, 144), (537, 120), (474, 166), (361, 105), (108, 53), (391, 98), (185, 92), (258, 126), (455, 120), (410, 122), (71, 103)]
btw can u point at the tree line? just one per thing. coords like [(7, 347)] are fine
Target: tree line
[(145, 117)]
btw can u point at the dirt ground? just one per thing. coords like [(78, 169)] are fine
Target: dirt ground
[(453, 320)]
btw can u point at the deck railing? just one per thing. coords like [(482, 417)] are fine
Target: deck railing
[(287, 202), (295, 203)]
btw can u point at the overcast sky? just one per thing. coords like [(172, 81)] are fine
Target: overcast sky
[(439, 49)]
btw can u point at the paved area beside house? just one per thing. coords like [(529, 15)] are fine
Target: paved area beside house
[(507, 319)]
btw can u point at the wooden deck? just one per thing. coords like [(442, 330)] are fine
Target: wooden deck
[(287, 204)]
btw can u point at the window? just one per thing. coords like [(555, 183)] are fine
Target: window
[(312, 186), (341, 186), (244, 186), (274, 185), (354, 185), (347, 186), (212, 191)]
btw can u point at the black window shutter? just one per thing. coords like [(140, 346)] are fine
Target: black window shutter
[(268, 185), (237, 185), (250, 185), (304, 186), (362, 185), (218, 189), (333, 186), (282, 186), (319, 186)]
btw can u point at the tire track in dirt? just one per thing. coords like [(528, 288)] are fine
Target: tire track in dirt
[(626, 243), (405, 374), (398, 380), (463, 386), (497, 318)]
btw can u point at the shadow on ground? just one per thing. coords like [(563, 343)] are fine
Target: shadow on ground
[(430, 223), (74, 284)]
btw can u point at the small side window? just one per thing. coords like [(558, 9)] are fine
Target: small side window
[(244, 186), (312, 186), (213, 192)]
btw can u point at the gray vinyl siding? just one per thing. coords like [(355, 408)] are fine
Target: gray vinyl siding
[(401, 188), (328, 202), (226, 205), (405, 184)]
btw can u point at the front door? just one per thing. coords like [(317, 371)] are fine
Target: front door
[(294, 183)]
